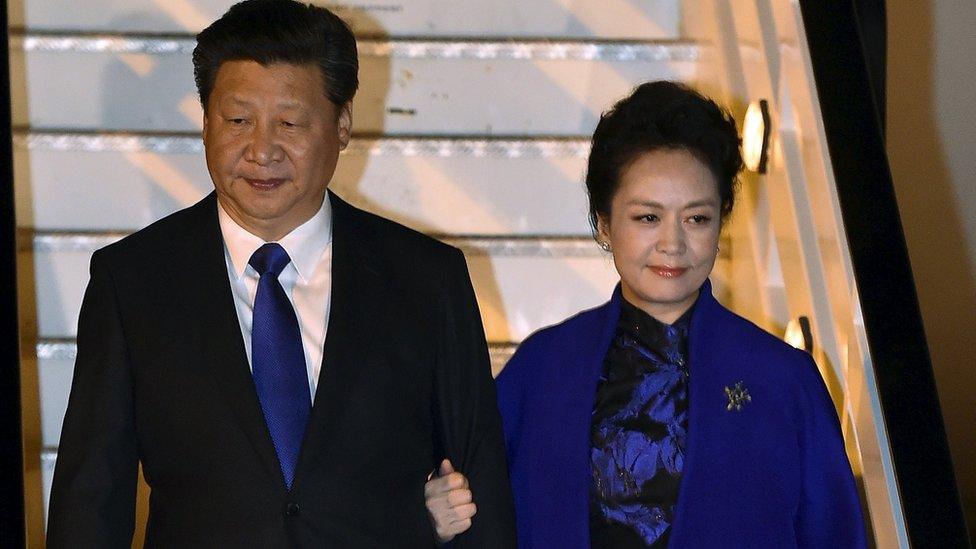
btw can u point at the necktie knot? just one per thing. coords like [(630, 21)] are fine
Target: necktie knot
[(269, 258)]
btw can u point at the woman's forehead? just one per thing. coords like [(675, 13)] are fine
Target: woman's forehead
[(666, 178)]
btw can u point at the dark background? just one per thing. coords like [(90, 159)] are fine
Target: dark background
[(847, 47), (11, 445)]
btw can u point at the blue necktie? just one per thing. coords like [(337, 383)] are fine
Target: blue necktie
[(278, 359)]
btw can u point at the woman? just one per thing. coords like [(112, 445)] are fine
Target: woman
[(661, 418)]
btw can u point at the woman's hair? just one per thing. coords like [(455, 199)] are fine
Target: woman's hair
[(279, 31), (662, 115)]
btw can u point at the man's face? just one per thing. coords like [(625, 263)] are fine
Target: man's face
[(272, 140)]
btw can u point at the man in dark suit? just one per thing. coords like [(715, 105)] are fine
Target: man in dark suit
[(287, 368)]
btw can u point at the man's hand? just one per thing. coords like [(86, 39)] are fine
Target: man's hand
[(449, 502)]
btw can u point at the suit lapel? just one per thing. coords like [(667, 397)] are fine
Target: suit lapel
[(210, 308), (358, 289)]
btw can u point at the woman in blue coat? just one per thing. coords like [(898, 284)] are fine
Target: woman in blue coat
[(662, 419)]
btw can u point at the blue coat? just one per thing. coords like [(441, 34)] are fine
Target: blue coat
[(771, 474)]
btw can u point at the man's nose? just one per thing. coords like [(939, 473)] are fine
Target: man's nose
[(263, 147)]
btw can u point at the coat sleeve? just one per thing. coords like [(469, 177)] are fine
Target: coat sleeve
[(829, 513), (94, 489), (510, 385), (468, 415)]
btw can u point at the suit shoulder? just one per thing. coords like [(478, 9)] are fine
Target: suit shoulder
[(400, 238), (155, 239)]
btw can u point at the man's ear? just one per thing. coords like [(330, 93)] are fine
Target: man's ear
[(344, 124)]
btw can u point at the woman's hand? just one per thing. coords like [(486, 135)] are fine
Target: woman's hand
[(449, 502)]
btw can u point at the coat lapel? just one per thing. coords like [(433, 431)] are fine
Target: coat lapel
[(567, 452), (358, 290), (707, 365), (210, 307)]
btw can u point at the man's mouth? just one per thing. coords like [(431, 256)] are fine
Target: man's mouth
[(265, 184)]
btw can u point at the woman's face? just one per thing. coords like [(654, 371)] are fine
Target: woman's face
[(663, 228)]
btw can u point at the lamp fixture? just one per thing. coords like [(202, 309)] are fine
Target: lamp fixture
[(755, 136), (798, 334)]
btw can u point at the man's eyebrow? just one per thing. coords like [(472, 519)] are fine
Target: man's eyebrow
[(283, 104), (239, 101)]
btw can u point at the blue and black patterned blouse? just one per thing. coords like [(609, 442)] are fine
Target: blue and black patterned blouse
[(638, 432)]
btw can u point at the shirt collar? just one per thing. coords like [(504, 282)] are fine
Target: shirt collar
[(666, 339), (305, 244)]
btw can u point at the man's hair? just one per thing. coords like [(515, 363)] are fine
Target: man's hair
[(662, 115), (279, 31)]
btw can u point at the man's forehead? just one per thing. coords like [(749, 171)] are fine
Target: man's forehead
[(282, 102), (271, 65), (277, 74)]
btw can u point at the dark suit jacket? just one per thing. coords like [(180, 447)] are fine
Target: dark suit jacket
[(162, 378), (772, 474)]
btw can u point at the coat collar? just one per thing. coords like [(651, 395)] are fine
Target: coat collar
[(605, 320), (699, 334)]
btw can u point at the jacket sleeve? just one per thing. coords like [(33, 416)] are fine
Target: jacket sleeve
[(94, 488), (829, 513), (468, 415)]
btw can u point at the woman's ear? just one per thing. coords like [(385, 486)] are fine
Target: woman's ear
[(603, 227)]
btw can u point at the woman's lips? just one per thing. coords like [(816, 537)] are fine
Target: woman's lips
[(669, 272), (264, 184)]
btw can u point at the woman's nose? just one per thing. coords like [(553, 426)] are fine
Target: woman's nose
[(671, 239)]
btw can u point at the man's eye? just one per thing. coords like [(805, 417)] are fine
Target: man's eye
[(649, 218), (288, 124), (237, 121), (700, 219)]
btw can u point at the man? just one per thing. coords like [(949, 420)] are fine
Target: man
[(287, 369)]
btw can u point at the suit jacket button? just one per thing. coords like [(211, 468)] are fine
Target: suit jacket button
[(293, 510)]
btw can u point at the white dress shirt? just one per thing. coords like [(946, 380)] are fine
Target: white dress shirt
[(307, 280)]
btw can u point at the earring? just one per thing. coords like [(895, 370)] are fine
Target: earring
[(606, 246)]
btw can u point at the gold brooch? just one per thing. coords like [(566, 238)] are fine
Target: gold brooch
[(738, 396)]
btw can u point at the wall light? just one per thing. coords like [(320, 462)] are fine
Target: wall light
[(755, 136), (798, 334)]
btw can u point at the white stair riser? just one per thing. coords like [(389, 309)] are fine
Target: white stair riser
[(550, 18), (144, 92), (68, 189)]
